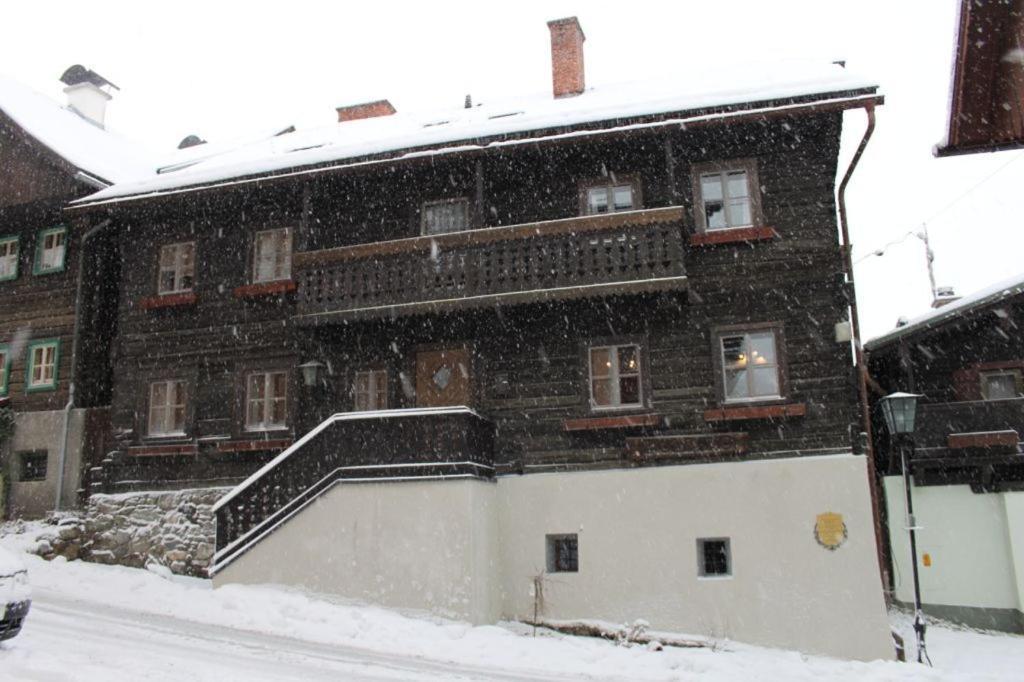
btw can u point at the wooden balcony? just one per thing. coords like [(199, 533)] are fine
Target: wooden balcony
[(418, 443), (618, 253), (975, 442)]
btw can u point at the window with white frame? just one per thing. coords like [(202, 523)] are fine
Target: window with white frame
[(272, 255), (371, 390), (5, 369), (441, 217), (615, 376), (177, 268), (42, 365), (1001, 384), (50, 250), (167, 401), (8, 258), (610, 198), (266, 401), (727, 195), (750, 366)]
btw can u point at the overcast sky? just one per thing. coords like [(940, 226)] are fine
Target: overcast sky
[(221, 69)]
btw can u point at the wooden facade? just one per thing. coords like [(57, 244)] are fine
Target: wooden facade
[(521, 297), (965, 434)]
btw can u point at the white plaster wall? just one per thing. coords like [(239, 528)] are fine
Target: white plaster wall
[(45, 431), (967, 537), (638, 532), (1014, 504), (411, 545)]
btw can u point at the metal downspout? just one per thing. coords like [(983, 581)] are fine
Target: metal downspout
[(63, 455), (862, 370)]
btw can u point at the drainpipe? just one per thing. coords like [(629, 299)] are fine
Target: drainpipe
[(63, 455), (862, 369)]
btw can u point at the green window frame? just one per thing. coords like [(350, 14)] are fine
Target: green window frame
[(16, 240), (5, 368), (30, 366), (39, 268)]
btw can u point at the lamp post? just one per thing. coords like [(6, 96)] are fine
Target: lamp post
[(900, 411)]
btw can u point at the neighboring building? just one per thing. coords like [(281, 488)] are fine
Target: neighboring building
[(50, 155), (986, 102), (966, 358), (572, 356)]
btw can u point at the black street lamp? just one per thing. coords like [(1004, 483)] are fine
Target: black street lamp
[(900, 410)]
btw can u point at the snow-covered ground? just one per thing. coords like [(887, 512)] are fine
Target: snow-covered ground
[(91, 622)]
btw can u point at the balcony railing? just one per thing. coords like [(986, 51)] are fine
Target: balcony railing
[(636, 251), (936, 422), (440, 442)]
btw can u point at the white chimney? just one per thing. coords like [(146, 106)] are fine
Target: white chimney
[(86, 94)]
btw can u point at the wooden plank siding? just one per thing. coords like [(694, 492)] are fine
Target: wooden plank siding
[(529, 372)]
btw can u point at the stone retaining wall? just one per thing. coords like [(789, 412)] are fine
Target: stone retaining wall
[(171, 528)]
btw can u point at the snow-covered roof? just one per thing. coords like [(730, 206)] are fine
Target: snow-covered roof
[(84, 145), (939, 316), (461, 129)]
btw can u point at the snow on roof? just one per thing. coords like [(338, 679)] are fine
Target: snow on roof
[(460, 129), (84, 145), (939, 316)]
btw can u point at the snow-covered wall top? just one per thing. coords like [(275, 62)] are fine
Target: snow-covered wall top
[(933, 318), (82, 144), (461, 129)]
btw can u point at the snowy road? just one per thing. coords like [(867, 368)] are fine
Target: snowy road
[(66, 639)]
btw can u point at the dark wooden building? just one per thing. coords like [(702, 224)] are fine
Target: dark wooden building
[(57, 305), (611, 282)]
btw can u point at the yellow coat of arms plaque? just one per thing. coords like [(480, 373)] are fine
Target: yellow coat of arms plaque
[(830, 530)]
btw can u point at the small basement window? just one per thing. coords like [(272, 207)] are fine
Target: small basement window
[(8, 258), (563, 553), (50, 250), (1001, 385), (32, 465), (442, 217), (714, 558)]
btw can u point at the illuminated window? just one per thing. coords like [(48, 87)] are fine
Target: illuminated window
[(615, 376), (750, 366)]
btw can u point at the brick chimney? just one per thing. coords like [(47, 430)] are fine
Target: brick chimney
[(354, 112), (567, 57)]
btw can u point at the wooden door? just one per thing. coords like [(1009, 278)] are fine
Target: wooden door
[(442, 377)]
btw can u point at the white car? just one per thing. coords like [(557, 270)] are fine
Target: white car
[(15, 594)]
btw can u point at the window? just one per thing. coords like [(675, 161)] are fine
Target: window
[(42, 365), (609, 198), (167, 408), (1001, 384), (272, 256), (5, 369), (727, 195), (563, 553), (750, 366), (266, 401), (713, 557), (615, 376), (8, 258), (32, 465), (441, 217), (50, 249), (177, 268), (371, 390)]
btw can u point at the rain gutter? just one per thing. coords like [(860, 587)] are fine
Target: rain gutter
[(63, 454), (862, 369)]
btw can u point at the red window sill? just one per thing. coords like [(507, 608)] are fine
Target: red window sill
[(723, 414), (737, 235), (619, 422), (988, 439), (168, 301), (252, 445), (265, 289), (163, 450)]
